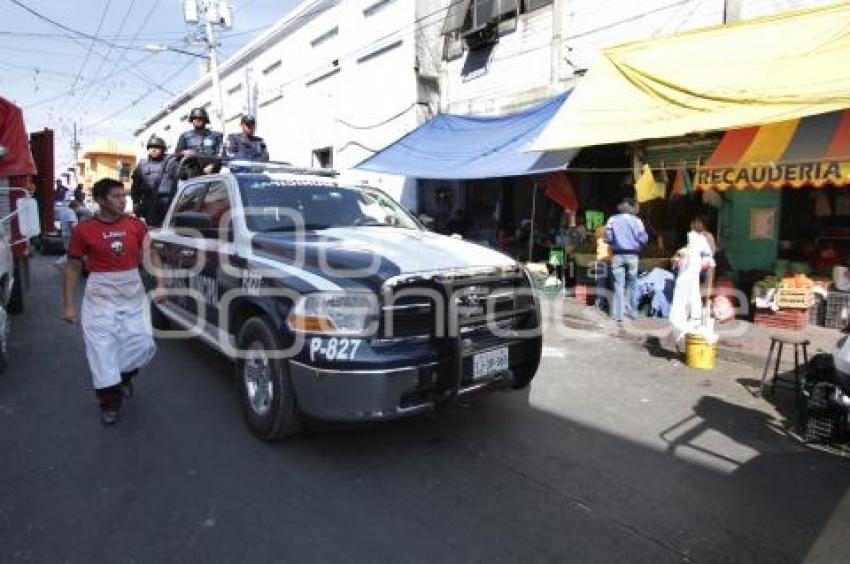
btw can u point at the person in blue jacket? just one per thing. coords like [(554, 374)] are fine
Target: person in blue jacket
[(246, 146), (627, 236)]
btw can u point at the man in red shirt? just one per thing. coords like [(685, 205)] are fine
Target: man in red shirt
[(117, 339)]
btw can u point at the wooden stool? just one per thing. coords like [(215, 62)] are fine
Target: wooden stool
[(798, 343)]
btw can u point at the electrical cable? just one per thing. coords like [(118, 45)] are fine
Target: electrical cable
[(91, 45), (137, 100), (55, 23)]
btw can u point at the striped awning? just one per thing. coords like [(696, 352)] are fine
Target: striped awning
[(811, 151)]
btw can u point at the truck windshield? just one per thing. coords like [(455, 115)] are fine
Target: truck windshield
[(276, 205)]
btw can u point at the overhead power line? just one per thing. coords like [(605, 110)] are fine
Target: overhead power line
[(91, 45), (55, 23)]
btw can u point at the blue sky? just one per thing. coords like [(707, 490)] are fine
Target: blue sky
[(59, 77)]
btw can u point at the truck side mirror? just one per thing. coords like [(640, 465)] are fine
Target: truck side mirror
[(29, 223), (426, 220)]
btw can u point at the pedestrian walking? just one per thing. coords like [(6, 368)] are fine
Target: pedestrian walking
[(627, 236), (68, 219), (150, 187), (80, 194), (246, 146), (200, 141), (60, 192), (117, 340)]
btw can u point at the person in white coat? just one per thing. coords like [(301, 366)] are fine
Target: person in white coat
[(117, 340), (686, 310)]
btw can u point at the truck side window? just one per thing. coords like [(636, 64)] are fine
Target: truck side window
[(216, 203), (189, 200)]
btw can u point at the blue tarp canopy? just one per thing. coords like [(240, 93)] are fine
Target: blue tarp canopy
[(459, 147)]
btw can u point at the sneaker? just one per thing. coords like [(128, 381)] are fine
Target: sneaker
[(109, 416), (127, 383)]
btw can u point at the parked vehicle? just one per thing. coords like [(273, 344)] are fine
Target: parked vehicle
[(11, 292), (335, 303)]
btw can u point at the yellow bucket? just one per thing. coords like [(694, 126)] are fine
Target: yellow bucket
[(699, 353)]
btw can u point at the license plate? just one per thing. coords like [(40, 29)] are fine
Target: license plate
[(488, 363)]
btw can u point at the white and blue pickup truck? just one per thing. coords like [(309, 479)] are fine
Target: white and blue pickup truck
[(334, 302)]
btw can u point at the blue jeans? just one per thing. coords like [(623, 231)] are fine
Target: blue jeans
[(624, 270)]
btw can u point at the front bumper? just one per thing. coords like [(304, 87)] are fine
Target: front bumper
[(375, 395)]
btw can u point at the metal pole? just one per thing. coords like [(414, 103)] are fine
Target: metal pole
[(533, 213), (213, 55)]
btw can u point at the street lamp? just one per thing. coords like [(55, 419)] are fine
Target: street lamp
[(211, 58), (158, 48)]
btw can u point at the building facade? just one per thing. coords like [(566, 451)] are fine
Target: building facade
[(105, 159), (334, 81)]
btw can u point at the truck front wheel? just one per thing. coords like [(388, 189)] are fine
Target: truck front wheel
[(265, 389)]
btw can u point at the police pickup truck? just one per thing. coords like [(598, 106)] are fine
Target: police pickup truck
[(334, 302)]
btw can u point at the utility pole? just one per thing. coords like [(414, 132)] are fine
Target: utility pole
[(75, 147), (211, 9)]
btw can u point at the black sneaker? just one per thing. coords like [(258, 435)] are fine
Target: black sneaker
[(109, 416), (127, 383)]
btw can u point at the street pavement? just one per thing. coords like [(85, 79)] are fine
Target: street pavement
[(617, 453)]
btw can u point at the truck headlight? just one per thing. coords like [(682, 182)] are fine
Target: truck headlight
[(335, 314)]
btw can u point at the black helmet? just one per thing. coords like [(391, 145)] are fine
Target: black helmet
[(248, 119), (157, 142), (199, 113)]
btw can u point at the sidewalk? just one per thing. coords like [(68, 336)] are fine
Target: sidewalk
[(740, 341)]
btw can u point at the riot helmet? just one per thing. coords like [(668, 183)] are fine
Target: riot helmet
[(156, 143), (199, 113)]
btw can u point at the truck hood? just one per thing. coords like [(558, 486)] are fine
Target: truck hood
[(388, 251)]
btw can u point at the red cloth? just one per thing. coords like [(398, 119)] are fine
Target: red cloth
[(560, 190), (13, 136), (108, 247)]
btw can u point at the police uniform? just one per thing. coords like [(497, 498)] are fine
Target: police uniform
[(204, 142), (147, 180), (246, 148)]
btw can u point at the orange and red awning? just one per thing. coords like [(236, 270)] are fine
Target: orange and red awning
[(810, 151)]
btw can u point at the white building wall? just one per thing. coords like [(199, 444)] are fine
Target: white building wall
[(342, 75), (356, 75), (516, 73)]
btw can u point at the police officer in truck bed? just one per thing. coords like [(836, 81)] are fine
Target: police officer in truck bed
[(246, 146), (200, 142)]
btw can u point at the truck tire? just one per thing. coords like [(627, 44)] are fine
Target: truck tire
[(265, 390), (16, 298)]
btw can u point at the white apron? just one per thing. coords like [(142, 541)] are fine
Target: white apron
[(113, 321), (686, 309)]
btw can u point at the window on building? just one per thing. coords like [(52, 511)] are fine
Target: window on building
[(272, 100), (233, 90), (323, 158), (472, 15), (376, 7), (325, 37), (123, 171), (272, 67), (531, 5)]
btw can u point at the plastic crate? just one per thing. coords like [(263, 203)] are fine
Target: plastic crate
[(817, 313), (787, 319), (837, 310), (794, 298)]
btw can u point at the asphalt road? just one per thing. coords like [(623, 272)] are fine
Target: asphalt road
[(614, 455)]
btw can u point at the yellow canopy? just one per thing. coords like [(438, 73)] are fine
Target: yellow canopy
[(769, 69)]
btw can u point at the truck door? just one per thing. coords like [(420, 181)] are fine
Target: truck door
[(178, 252)]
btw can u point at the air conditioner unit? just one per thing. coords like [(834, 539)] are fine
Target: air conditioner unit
[(481, 37)]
